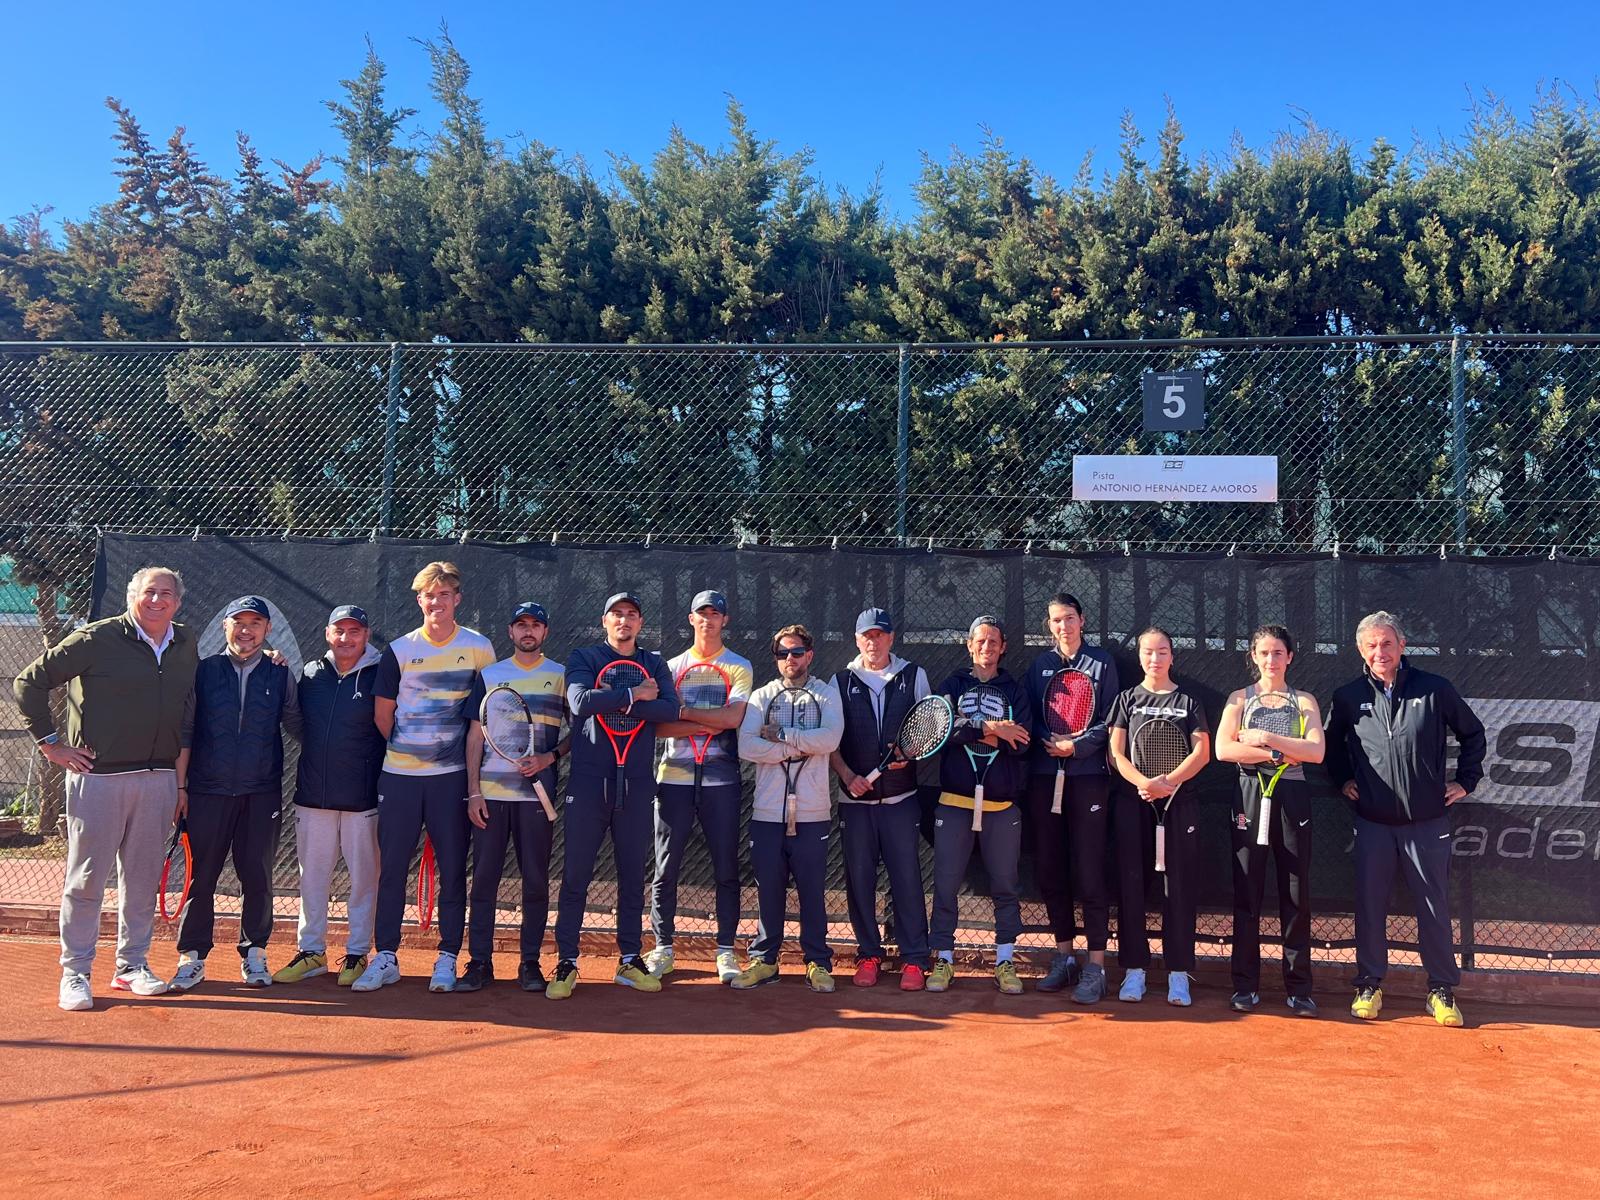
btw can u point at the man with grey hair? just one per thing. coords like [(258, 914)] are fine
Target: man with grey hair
[(1386, 753), (129, 679)]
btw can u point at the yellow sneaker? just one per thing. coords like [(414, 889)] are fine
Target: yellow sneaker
[(302, 966), (631, 972), (354, 965), (1442, 1007), (1005, 978), (563, 981), (941, 977), (753, 976), (819, 977), (1367, 1004)]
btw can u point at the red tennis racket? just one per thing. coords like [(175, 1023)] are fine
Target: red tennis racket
[(427, 883), (620, 727), (702, 685), (176, 873), (1068, 709)]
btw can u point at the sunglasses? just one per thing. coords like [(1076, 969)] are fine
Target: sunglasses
[(791, 652)]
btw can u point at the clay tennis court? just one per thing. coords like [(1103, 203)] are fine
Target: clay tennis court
[(703, 1091)]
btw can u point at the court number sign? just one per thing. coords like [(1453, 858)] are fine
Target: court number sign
[(1174, 401)]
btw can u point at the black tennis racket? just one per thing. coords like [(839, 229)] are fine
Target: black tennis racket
[(1273, 712), (982, 703), (923, 732), (508, 728), (793, 708), (1159, 746)]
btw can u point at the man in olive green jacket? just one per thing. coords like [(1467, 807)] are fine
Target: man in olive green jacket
[(128, 680)]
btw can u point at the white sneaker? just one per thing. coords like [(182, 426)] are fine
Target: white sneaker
[(253, 968), (75, 994), (727, 966), (659, 962), (1178, 989), (444, 973), (191, 970), (381, 971), (1132, 985), (140, 980)]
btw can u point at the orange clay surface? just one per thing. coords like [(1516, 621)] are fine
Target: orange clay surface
[(702, 1091)]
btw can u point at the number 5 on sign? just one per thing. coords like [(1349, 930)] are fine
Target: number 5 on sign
[(1174, 401)]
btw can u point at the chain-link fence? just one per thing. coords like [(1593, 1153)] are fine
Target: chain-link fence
[(1475, 444)]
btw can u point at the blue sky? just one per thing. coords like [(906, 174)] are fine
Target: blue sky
[(868, 87)]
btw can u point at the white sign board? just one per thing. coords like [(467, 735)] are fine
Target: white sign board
[(1193, 477)]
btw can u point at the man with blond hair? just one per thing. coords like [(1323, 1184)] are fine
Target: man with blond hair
[(129, 679), (427, 691)]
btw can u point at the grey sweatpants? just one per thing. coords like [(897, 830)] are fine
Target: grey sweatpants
[(122, 820)]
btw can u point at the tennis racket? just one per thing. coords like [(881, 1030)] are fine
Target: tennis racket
[(982, 703), (702, 685), (620, 727), (176, 873), (1068, 709), (427, 885), (1159, 746), (508, 728), (924, 730), (793, 708), (1274, 712)]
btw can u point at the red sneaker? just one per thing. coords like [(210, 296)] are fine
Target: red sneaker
[(867, 972), (912, 978)]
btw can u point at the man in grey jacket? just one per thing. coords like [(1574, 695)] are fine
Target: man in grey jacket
[(790, 748)]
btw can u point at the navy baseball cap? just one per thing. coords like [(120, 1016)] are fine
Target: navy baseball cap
[(710, 599), (986, 619), (531, 608), (349, 612), (622, 598), (874, 618), (248, 604)]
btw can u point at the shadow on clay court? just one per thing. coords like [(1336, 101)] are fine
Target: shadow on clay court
[(692, 1003), (325, 1062)]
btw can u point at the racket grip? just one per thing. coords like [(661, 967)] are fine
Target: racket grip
[(1061, 786), (791, 814), (544, 799), (1161, 846), (871, 776), (977, 809), (1264, 822)]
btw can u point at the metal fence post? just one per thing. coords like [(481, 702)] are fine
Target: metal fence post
[(1458, 444), (391, 429), (902, 480)]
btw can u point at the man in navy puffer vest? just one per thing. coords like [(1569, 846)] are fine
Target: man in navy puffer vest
[(233, 767)]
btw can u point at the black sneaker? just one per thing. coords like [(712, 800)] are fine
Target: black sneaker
[(1302, 1006), (1244, 1001), (478, 975), (529, 977)]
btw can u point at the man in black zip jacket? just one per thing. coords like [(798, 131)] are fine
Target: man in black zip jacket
[(232, 764), (993, 726), (336, 796), (1386, 753)]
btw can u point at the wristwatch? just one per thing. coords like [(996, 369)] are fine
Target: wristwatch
[(50, 739), (1277, 758)]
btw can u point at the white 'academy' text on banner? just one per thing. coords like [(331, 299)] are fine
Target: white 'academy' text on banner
[(1158, 477)]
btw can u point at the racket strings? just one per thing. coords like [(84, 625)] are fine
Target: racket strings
[(984, 702), (702, 688), (925, 729), (1277, 714), (620, 677), (1069, 702), (507, 723), (1159, 747)]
